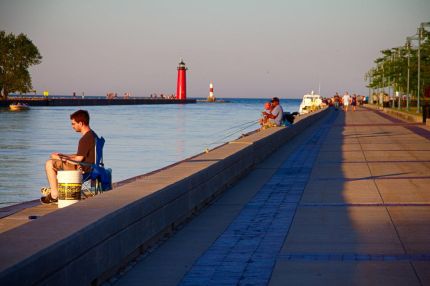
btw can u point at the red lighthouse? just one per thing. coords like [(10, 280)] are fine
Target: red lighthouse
[(181, 87)]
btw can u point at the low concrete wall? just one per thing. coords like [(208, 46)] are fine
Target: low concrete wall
[(86, 242), (398, 113)]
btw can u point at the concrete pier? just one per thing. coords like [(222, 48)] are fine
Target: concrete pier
[(345, 203), (87, 242), (337, 199)]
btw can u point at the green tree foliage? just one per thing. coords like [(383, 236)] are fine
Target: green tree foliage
[(17, 54), (425, 62), (392, 68)]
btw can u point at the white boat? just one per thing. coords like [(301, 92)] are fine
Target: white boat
[(310, 102), (19, 106)]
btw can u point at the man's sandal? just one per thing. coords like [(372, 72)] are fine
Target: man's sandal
[(48, 200), (45, 191)]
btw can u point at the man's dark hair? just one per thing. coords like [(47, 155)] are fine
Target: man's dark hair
[(275, 99), (81, 116)]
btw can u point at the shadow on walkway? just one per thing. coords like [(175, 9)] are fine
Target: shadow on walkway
[(364, 215)]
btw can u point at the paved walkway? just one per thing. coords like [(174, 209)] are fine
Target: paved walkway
[(346, 203)]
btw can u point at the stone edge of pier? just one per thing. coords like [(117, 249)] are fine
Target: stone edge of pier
[(87, 242)]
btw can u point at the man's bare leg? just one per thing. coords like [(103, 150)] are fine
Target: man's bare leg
[(51, 174)]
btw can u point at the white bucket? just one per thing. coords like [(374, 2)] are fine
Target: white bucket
[(69, 187)]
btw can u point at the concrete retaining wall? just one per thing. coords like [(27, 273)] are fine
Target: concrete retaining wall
[(398, 113), (86, 242)]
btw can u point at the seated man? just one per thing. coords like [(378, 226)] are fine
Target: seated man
[(276, 114), (86, 153)]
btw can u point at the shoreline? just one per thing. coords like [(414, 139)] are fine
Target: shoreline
[(92, 101)]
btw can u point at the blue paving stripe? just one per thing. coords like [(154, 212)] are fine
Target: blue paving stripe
[(353, 257), (246, 252)]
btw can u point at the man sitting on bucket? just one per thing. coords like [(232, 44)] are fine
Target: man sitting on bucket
[(58, 162)]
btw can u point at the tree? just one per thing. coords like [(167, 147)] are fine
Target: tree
[(391, 69), (17, 54)]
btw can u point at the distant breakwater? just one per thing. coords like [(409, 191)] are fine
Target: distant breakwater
[(91, 101)]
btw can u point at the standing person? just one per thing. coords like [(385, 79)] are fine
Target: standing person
[(354, 102), (336, 99), (346, 101), (86, 153), (276, 114)]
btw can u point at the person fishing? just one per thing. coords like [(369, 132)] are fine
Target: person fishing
[(80, 121), (276, 113)]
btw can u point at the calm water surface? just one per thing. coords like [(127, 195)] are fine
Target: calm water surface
[(139, 138)]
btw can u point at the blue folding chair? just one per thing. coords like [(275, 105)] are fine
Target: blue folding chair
[(98, 179)]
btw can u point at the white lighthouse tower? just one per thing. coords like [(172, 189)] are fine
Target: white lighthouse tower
[(211, 97)]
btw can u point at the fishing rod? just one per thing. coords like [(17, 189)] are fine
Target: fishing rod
[(232, 127), (243, 127)]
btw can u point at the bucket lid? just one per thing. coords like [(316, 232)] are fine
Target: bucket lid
[(69, 176)]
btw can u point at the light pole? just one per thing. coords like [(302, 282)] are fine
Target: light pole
[(408, 42), (370, 89), (408, 47), (393, 80), (396, 75), (399, 56), (419, 68), (383, 86), (367, 77)]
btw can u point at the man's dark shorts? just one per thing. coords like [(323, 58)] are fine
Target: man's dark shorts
[(64, 166)]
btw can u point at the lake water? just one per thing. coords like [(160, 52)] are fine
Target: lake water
[(139, 138)]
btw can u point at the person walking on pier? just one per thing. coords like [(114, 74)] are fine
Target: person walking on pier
[(336, 100), (80, 121), (354, 102), (346, 98)]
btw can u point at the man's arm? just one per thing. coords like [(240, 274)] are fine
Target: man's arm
[(271, 115)]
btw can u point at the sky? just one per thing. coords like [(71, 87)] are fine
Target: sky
[(248, 48)]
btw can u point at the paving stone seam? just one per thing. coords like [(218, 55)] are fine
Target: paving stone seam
[(328, 162), (373, 178), (365, 205), (353, 257), (246, 252), (378, 124), (375, 143), (376, 150)]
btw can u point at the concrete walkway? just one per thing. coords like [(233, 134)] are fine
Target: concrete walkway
[(345, 203)]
